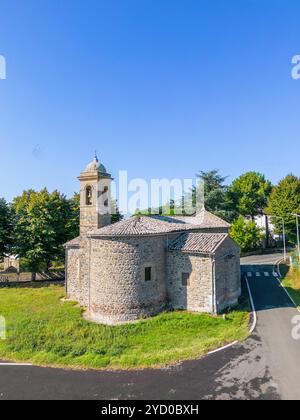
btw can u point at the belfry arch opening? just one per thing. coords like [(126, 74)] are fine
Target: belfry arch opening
[(88, 196)]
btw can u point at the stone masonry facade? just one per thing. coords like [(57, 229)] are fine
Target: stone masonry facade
[(123, 294), (142, 266), (197, 295), (227, 275)]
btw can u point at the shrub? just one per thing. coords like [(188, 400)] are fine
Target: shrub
[(247, 234)]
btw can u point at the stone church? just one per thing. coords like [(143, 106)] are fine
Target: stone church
[(139, 267)]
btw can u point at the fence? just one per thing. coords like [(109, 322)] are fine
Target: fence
[(23, 277)]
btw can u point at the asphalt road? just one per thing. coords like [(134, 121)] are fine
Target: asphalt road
[(266, 366)]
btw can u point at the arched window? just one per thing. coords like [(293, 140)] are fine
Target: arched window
[(88, 196)]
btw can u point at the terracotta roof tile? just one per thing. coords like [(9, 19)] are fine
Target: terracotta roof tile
[(155, 225), (135, 226), (73, 242), (206, 243), (203, 218)]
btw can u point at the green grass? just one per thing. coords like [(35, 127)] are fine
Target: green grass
[(45, 331), (291, 282)]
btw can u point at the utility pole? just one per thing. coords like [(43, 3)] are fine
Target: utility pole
[(284, 240), (284, 236), (298, 235)]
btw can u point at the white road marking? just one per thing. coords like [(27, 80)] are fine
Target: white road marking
[(258, 274), (249, 274), (275, 274), (223, 348), (266, 274), (15, 364)]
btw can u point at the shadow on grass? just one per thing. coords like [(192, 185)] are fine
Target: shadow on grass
[(31, 284)]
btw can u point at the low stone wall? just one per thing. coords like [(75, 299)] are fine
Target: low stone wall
[(31, 284), (56, 275)]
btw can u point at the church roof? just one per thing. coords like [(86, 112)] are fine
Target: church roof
[(74, 242), (204, 218), (155, 225), (206, 243), (139, 225), (95, 165)]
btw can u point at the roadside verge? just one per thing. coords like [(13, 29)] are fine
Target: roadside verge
[(252, 322), (279, 278)]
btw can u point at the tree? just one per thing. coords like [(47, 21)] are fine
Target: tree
[(250, 193), (6, 228), (284, 201), (72, 224), (214, 190), (212, 181), (246, 234), (216, 197), (116, 216), (44, 222)]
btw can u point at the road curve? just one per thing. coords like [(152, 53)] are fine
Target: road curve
[(275, 314), (266, 366)]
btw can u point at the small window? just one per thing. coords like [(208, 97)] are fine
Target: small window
[(185, 279), (148, 273), (88, 196)]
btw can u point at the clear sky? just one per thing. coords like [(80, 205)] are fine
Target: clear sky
[(162, 88)]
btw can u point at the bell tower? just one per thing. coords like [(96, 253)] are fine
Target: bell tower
[(95, 197)]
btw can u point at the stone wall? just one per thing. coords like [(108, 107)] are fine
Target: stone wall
[(119, 291), (201, 294), (95, 214), (107, 276), (77, 272), (72, 273), (25, 277), (227, 275), (197, 296), (88, 213)]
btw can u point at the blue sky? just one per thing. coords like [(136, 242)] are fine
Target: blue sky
[(162, 88)]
